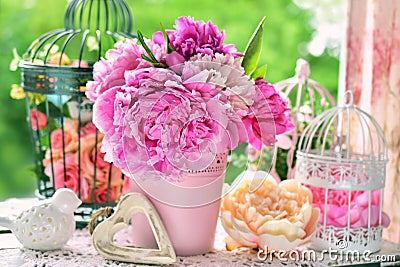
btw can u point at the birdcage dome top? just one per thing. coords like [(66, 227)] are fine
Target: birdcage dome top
[(61, 61), (343, 147), (344, 132)]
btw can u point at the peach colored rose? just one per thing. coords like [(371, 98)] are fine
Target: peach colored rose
[(70, 142), (70, 179), (59, 59), (91, 156), (101, 194), (38, 119), (89, 128), (126, 188), (92, 164), (275, 216)]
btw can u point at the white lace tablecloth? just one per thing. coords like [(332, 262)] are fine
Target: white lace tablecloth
[(79, 251)]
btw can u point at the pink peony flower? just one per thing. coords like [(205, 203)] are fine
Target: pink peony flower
[(38, 119), (337, 207), (169, 128), (108, 73), (70, 178), (221, 74), (111, 108), (192, 37), (268, 116)]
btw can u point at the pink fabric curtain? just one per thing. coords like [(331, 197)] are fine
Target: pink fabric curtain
[(370, 66)]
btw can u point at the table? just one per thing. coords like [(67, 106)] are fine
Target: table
[(79, 251)]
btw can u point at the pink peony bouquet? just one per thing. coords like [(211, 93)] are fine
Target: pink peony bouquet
[(83, 169), (170, 103)]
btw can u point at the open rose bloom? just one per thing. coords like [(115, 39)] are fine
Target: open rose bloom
[(271, 216), (79, 164), (165, 108)]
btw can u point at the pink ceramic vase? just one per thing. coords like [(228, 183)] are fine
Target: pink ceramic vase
[(189, 209)]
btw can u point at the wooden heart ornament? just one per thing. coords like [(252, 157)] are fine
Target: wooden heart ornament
[(129, 205)]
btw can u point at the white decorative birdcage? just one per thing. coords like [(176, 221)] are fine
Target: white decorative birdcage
[(342, 157)]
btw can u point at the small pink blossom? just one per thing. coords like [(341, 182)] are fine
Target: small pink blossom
[(38, 119), (252, 153)]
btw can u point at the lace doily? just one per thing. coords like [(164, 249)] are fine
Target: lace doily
[(79, 251)]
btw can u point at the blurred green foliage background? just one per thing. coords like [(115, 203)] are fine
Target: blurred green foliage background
[(288, 30)]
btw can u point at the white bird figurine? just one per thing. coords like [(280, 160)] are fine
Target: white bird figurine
[(47, 226)]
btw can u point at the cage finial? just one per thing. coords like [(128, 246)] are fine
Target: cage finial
[(348, 98), (302, 70)]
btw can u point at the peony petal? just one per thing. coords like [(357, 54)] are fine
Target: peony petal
[(284, 141), (335, 211), (277, 242), (311, 225), (231, 244), (291, 231), (374, 218), (306, 212), (362, 200), (232, 230)]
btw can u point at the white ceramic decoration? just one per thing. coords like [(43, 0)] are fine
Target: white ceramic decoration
[(129, 205), (47, 226)]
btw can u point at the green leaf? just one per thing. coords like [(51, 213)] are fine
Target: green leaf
[(166, 40), (259, 72), (146, 48), (151, 58), (146, 58), (253, 49)]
